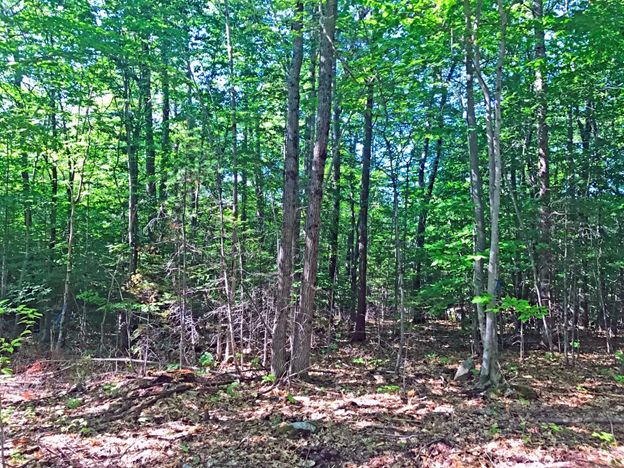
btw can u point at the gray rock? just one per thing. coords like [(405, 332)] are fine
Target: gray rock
[(465, 370), (298, 427)]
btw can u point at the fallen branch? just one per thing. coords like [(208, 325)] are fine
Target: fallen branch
[(123, 411), (138, 361), (574, 421)]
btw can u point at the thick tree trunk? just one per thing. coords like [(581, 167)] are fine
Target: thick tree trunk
[(309, 135), (279, 364), (360, 318), (303, 320)]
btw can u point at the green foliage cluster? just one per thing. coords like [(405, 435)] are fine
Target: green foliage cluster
[(95, 85)]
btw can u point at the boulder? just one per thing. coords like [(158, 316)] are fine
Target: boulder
[(464, 372)]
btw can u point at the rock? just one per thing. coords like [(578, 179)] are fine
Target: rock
[(511, 391), (465, 370), (526, 393), (298, 427)]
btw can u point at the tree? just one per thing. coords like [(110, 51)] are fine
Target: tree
[(362, 245), (476, 182), (543, 150), (290, 202), (489, 370), (303, 318)]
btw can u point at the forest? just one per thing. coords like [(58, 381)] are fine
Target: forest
[(278, 233)]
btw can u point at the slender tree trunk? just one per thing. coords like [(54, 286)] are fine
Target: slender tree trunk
[(303, 320), (335, 218), (398, 259), (165, 142), (5, 234), (476, 182), (279, 364), (27, 204), (231, 290), (422, 217), (132, 129), (74, 198), (566, 292), (489, 370), (27, 201), (148, 124), (309, 137), (259, 187), (543, 172), (229, 294), (351, 247), (360, 318)]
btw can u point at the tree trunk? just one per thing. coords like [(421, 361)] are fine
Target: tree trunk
[(259, 187), (5, 234), (335, 218), (489, 371), (27, 201), (309, 134), (231, 289), (279, 364), (422, 217), (165, 131), (303, 320), (351, 263), (148, 122), (74, 198), (360, 318), (132, 130), (476, 182), (543, 171)]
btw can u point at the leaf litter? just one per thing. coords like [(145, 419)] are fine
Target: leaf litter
[(364, 414)]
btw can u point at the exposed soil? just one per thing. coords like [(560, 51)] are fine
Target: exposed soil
[(367, 415)]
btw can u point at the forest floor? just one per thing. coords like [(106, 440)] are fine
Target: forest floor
[(365, 415)]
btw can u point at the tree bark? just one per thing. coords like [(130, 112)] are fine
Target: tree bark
[(360, 318), (165, 131), (335, 218), (279, 364), (303, 321), (309, 135), (543, 169), (259, 188), (231, 290), (74, 198), (148, 123), (132, 130), (476, 181), (5, 235), (422, 216), (489, 371)]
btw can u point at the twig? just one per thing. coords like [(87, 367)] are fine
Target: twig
[(138, 361)]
